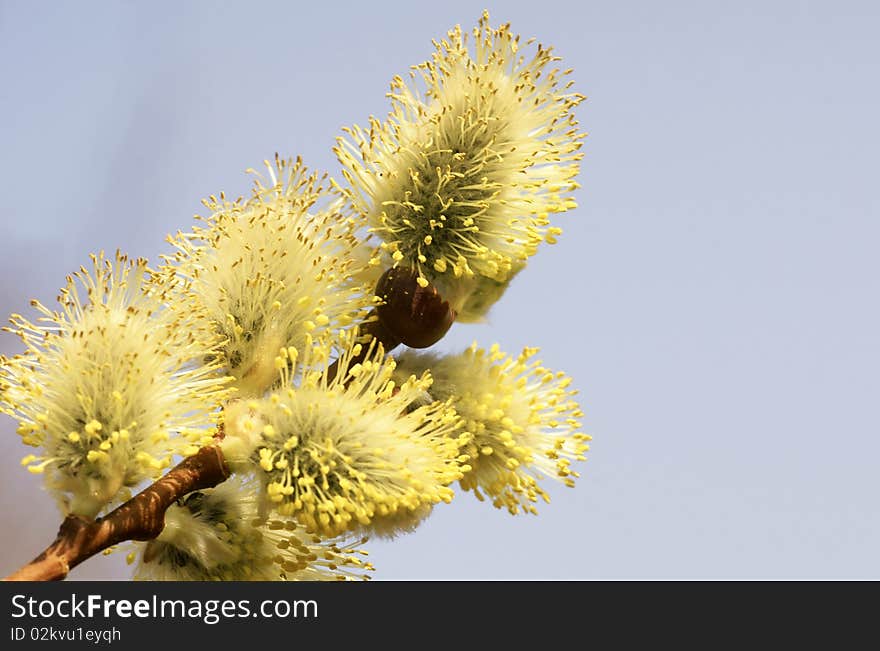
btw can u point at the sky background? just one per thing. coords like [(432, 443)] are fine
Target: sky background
[(715, 295)]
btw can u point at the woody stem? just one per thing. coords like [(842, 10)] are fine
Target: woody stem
[(140, 518)]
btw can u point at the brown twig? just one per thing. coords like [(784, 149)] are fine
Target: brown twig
[(140, 518)]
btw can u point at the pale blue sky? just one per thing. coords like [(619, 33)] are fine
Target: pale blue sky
[(714, 296)]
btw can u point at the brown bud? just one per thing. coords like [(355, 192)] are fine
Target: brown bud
[(418, 316)]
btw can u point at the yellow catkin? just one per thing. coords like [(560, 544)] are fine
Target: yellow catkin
[(520, 421), (480, 146), (345, 452), (273, 268), (113, 384), (220, 534)]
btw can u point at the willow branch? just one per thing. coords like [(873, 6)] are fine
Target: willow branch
[(140, 518), (411, 314)]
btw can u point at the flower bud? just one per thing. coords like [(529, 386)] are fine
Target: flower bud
[(417, 315)]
